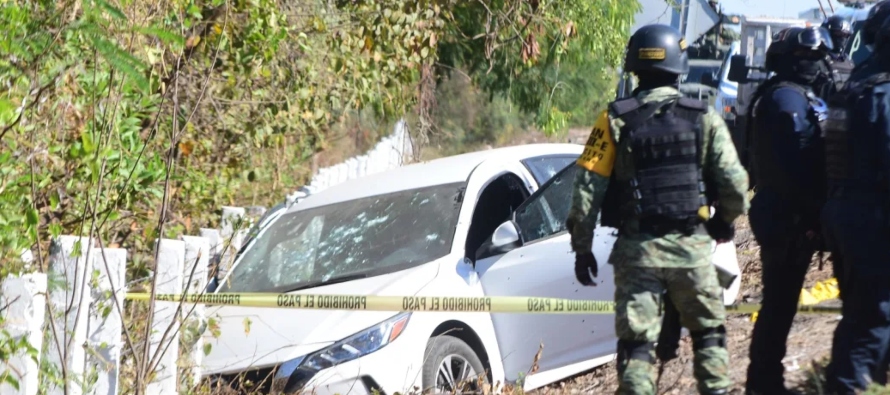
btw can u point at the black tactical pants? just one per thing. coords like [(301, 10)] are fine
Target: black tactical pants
[(861, 345), (785, 255)]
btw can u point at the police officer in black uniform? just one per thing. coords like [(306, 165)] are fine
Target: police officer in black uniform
[(856, 215), (787, 162), (839, 64)]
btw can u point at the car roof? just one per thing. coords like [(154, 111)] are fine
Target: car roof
[(439, 171)]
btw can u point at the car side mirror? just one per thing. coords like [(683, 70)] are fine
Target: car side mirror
[(708, 79), (504, 239), (738, 69)]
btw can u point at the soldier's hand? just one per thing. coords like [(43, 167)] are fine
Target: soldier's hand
[(585, 264)]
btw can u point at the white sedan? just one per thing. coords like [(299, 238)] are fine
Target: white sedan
[(488, 223)]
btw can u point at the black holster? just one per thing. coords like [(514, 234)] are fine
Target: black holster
[(669, 336)]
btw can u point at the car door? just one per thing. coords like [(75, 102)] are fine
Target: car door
[(543, 266)]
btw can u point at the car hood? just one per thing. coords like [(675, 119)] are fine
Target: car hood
[(243, 338)]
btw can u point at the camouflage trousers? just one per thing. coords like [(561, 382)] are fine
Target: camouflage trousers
[(638, 304)]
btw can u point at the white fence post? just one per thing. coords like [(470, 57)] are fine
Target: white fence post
[(69, 310), (351, 169), (23, 305), (197, 254), (105, 322), (216, 246), (256, 211), (230, 236), (164, 350)]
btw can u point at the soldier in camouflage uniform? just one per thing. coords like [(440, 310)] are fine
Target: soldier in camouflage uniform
[(647, 162), (714, 43)]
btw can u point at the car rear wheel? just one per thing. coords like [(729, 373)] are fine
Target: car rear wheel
[(451, 366)]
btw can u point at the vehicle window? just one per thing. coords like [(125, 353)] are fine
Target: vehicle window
[(544, 167), (495, 205), (696, 72), (373, 235), (544, 213)]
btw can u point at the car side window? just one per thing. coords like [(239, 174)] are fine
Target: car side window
[(545, 167), (544, 213)]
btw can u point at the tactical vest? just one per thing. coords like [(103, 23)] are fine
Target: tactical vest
[(840, 71), (838, 135), (766, 167), (667, 190)]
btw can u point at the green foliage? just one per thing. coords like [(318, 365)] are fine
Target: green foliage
[(132, 120), (468, 118), (519, 48)]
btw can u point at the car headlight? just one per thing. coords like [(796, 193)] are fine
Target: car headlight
[(352, 347)]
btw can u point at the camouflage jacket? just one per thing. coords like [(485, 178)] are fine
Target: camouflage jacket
[(720, 166)]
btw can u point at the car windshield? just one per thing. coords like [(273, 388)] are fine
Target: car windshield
[(696, 72), (370, 236), (858, 52)]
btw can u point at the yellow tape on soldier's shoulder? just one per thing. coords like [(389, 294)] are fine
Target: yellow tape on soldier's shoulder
[(484, 304), (599, 152)]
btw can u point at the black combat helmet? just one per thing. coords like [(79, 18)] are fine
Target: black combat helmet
[(876, 17), (882, 37), (798, 51), (840, 29), (779, 48), (657, 48)]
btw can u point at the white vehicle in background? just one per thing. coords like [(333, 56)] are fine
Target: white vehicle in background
[(746, 70), (727, 91), (488, 223)]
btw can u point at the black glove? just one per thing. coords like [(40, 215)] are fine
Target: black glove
[(585, 263), (719, 229)]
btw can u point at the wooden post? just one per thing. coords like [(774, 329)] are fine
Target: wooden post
[(164, 350), (197, 253), (216, 247), (70, 256), (105, 322), (23, 300), (231, 219)]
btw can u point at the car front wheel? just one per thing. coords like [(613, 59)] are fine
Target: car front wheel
[(451, 366)]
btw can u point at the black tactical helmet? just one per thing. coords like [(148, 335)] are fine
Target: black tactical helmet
[(657, 47), (840, 29), (876, 17), (797, 43), (882, 38), (778, 48)]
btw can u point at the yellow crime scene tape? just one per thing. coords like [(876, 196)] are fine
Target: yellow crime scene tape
[(485, 304), (822, 291)]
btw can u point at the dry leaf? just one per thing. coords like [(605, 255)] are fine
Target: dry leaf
[(192, 41)]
